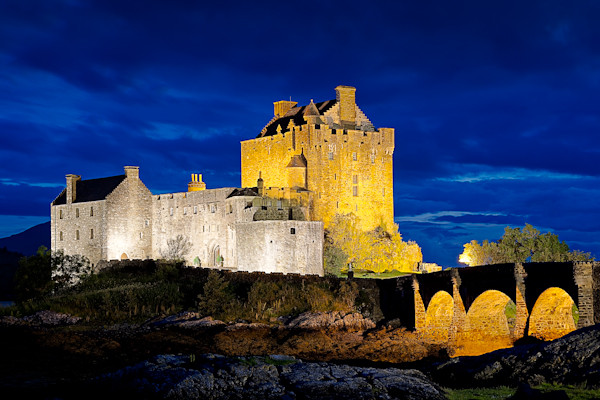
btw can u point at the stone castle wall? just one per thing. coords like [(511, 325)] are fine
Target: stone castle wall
[(206, 218), (129, 220), (280, 246), (79, 228), (347, 170)]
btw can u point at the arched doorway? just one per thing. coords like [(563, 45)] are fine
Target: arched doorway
[(217, 257), (554, 315)]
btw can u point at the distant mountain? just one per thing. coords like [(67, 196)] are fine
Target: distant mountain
[(27, 242)]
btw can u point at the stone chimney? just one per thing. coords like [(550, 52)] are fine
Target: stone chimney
[(132, 172), (283, 106), (72, 187), (196, 183), (260, 185), (346, 97)]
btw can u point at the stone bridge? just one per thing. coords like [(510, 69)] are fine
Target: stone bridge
[(478, 309)]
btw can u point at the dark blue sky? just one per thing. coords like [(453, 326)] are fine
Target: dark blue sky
[(495, 103)]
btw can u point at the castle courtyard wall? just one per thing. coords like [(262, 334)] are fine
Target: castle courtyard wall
[(280, 246)]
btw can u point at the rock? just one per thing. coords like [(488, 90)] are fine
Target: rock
[(573, 359), (50, 318), (352, 322), (218, 377)]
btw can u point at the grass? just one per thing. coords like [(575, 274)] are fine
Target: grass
[(504, 392)]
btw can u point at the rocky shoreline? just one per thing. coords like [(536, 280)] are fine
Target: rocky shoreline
[(50, 355)]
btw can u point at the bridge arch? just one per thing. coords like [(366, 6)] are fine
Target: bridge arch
[(489, 324), (553, 315), (438, 317)]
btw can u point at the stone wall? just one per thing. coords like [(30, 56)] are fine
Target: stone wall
[(348, 170), (280, 246), (79, 228), (129, 220)]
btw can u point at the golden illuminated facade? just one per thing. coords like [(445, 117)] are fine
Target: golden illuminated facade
[(328, 155)]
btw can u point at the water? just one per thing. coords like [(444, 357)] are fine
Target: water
[(6, 304)]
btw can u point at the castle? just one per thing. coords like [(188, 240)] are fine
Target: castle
[(308, 164)]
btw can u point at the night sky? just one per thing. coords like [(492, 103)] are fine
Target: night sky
[(495, 103)]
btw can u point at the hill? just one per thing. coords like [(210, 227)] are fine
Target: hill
[(27, 242)]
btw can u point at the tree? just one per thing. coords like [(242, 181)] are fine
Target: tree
[(177, 249), (378, 250), (521, 245), (33, 277), (68, 270)]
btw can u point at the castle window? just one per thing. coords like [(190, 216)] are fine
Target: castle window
[(354, 157), (141, 235), (91, 233), (213, 208), (91, 211), (77, 234), (334, 177), (383, 192), (184, 210), (354, 190), (355, 179), (279, 204), (195, 209), (330, 155), (61, 236), (373, 159), (147, 222), (77, 213), (60, 215), (171, 211), (292, 231), (230, 209)]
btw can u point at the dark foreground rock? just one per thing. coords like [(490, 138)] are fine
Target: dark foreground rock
[(573, 359), (273, 377)]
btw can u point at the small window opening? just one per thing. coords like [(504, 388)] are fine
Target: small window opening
[(60, 214), (91, 211), (355, 179), (330, 155), (91, 233), (61, 236), (354, 157), (293, 231), (77, 213), (195, 209), (77, 234), (354, 190)]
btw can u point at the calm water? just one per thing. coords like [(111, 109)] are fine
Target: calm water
[(6, 303)]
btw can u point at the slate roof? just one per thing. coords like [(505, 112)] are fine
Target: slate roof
[(297, 161), (91, 189), (244, 192), (296, 114)]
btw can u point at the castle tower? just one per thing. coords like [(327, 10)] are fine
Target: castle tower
[(331, 151)]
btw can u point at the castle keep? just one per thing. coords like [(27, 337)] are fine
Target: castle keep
[(328, 156), (308, 164)]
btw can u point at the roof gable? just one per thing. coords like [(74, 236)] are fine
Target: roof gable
[(91, 189), (296, 115)]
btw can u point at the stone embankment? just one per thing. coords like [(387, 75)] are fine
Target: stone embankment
[(273, 377)]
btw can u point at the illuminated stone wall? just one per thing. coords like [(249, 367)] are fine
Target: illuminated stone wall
[(280, 246), (131, 223), (79, 228), (129, 219), (207, 218), (349, 166)]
